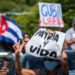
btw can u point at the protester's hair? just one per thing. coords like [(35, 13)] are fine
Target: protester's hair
[(25, 34)]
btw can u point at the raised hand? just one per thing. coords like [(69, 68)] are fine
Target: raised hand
[(18, 47)]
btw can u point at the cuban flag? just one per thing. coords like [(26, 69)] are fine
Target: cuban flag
[(10, 32)]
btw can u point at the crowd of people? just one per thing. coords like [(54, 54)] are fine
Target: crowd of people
[(29, 65), (32, 69)]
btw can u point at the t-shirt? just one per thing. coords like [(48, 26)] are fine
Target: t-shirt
[(69, 35)]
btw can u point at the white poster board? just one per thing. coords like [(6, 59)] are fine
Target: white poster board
[(50, 15), (43, 44)]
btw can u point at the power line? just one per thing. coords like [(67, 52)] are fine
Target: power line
[(17, 13)]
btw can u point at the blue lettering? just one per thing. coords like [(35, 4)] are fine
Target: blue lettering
[(52, 10), (59, 11), (43, 11)]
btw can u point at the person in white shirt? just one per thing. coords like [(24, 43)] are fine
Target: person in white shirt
[(70, 37)]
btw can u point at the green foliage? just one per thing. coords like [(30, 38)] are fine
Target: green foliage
[(7, 6), (29, 23)]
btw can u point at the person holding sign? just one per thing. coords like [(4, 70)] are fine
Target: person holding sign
[(62, 63), (42, 51), (49, 62)]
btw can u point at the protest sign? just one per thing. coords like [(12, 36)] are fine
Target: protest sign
[(44, 44), (50, 15)]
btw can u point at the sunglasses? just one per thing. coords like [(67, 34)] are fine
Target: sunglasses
[(26, 37)]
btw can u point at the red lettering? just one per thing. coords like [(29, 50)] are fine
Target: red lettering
[(45, 21), (51, 21), (58, 21)]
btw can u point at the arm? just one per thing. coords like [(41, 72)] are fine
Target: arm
[(17, 64), (71, 41), (69, 38), (19, 69)]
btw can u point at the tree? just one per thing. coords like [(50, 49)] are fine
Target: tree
[(29, 23)]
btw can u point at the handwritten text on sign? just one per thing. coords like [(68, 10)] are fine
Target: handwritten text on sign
[(50, 14), (45, 44)]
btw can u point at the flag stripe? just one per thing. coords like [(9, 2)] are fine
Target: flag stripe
[(13, 32), (12, 26), (6, 39), (14, 23), (10, 36)]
